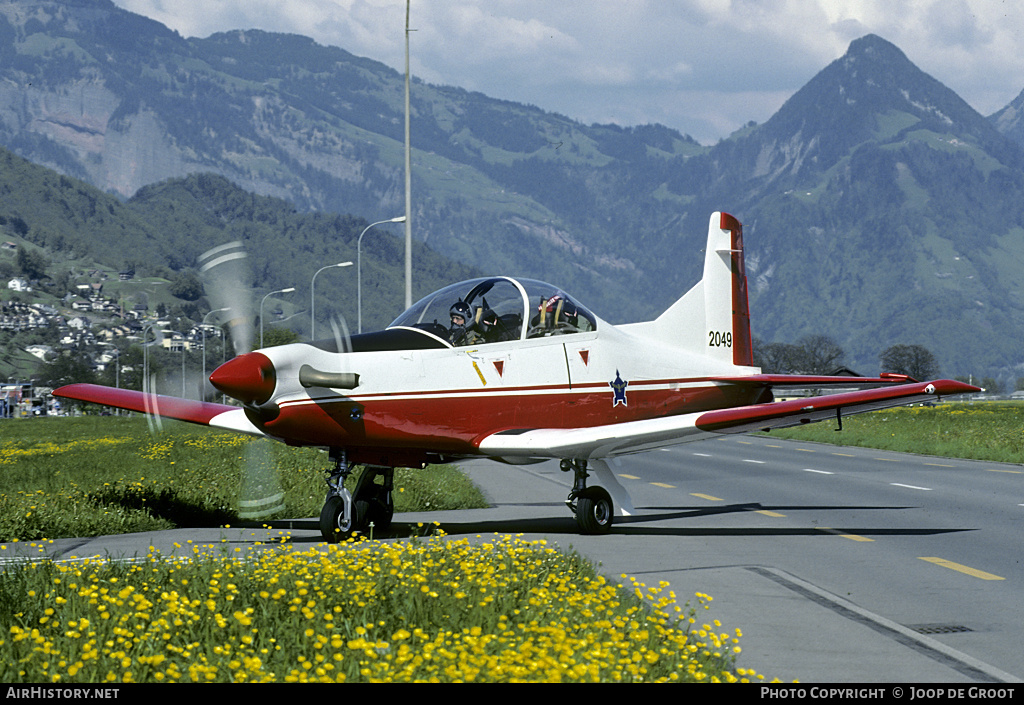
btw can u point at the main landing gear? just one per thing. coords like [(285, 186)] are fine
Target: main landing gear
[(347, 512), (592, 505)]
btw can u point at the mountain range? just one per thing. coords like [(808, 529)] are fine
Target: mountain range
[(879, 208)]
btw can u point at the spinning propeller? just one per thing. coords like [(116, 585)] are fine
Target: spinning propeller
[(249, 377)]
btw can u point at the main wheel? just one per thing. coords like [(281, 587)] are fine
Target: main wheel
[(333, 526), (594, 511)]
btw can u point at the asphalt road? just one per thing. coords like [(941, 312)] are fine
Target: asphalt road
[(838, 564)]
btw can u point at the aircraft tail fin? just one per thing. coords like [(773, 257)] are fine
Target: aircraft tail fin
[(713, 318)]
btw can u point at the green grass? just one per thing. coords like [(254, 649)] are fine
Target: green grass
[(90, 476), (992, 431)]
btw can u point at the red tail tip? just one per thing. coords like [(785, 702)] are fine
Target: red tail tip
[(729, 223)]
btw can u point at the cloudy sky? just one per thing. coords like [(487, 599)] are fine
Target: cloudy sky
[(704, 67)]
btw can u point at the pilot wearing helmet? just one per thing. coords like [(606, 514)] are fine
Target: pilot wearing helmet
[(460, 315)]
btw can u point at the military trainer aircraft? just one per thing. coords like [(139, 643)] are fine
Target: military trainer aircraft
[(518, 371)]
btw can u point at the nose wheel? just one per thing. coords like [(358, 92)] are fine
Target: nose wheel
[(336, 518)]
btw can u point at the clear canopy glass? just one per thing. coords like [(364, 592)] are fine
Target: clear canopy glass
[(495, 309)]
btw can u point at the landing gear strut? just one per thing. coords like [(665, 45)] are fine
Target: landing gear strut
[(592, 505), (345, 512)]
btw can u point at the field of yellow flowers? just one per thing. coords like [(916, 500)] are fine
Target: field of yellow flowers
[(992, 431), (431, 609), (91, 476)]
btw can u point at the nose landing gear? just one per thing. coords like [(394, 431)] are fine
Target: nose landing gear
[(345, 513)]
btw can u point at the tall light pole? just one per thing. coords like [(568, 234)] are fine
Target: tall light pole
[(359, 266), (117, 375), (408, 175), (145, 354), (312, 298), (279, 291)]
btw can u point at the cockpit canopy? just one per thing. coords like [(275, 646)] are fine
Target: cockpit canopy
[(495, 309)]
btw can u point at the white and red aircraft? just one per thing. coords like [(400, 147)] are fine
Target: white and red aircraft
[(518, 371)]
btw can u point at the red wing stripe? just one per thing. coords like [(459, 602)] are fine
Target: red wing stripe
[(199, 412)]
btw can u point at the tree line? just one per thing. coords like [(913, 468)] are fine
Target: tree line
[(821, 355)]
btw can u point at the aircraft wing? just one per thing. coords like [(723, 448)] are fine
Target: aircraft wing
[(198, 412), (637, 436)]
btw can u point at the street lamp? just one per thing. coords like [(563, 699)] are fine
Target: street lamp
[(359, 265), (145, 354), (312, 298), (279, 291), (117, 374)]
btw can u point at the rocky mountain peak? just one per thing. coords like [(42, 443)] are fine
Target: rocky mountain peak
[(872, 93)]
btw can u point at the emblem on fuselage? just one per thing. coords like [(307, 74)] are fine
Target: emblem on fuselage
[(618, 390)]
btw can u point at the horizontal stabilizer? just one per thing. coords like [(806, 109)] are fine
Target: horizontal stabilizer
[(813, 381)]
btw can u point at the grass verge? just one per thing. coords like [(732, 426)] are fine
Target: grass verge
[(90, 476), (992, 431)]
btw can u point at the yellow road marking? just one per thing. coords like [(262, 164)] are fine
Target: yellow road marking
[(768, 513), (938, 465), (629, 477), (1013, 472), (962, 568), (845, 455), (852, 537), (706, 496), (662, 484), (888, 460), (806, 450)]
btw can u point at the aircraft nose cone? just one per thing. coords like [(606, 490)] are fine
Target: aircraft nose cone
[(249, 378)]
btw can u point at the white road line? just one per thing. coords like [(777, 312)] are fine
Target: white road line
[(911, 487), (820, 472), (703, 455), (759, 462)]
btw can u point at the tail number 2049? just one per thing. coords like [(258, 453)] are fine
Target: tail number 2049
[(717, 339)]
